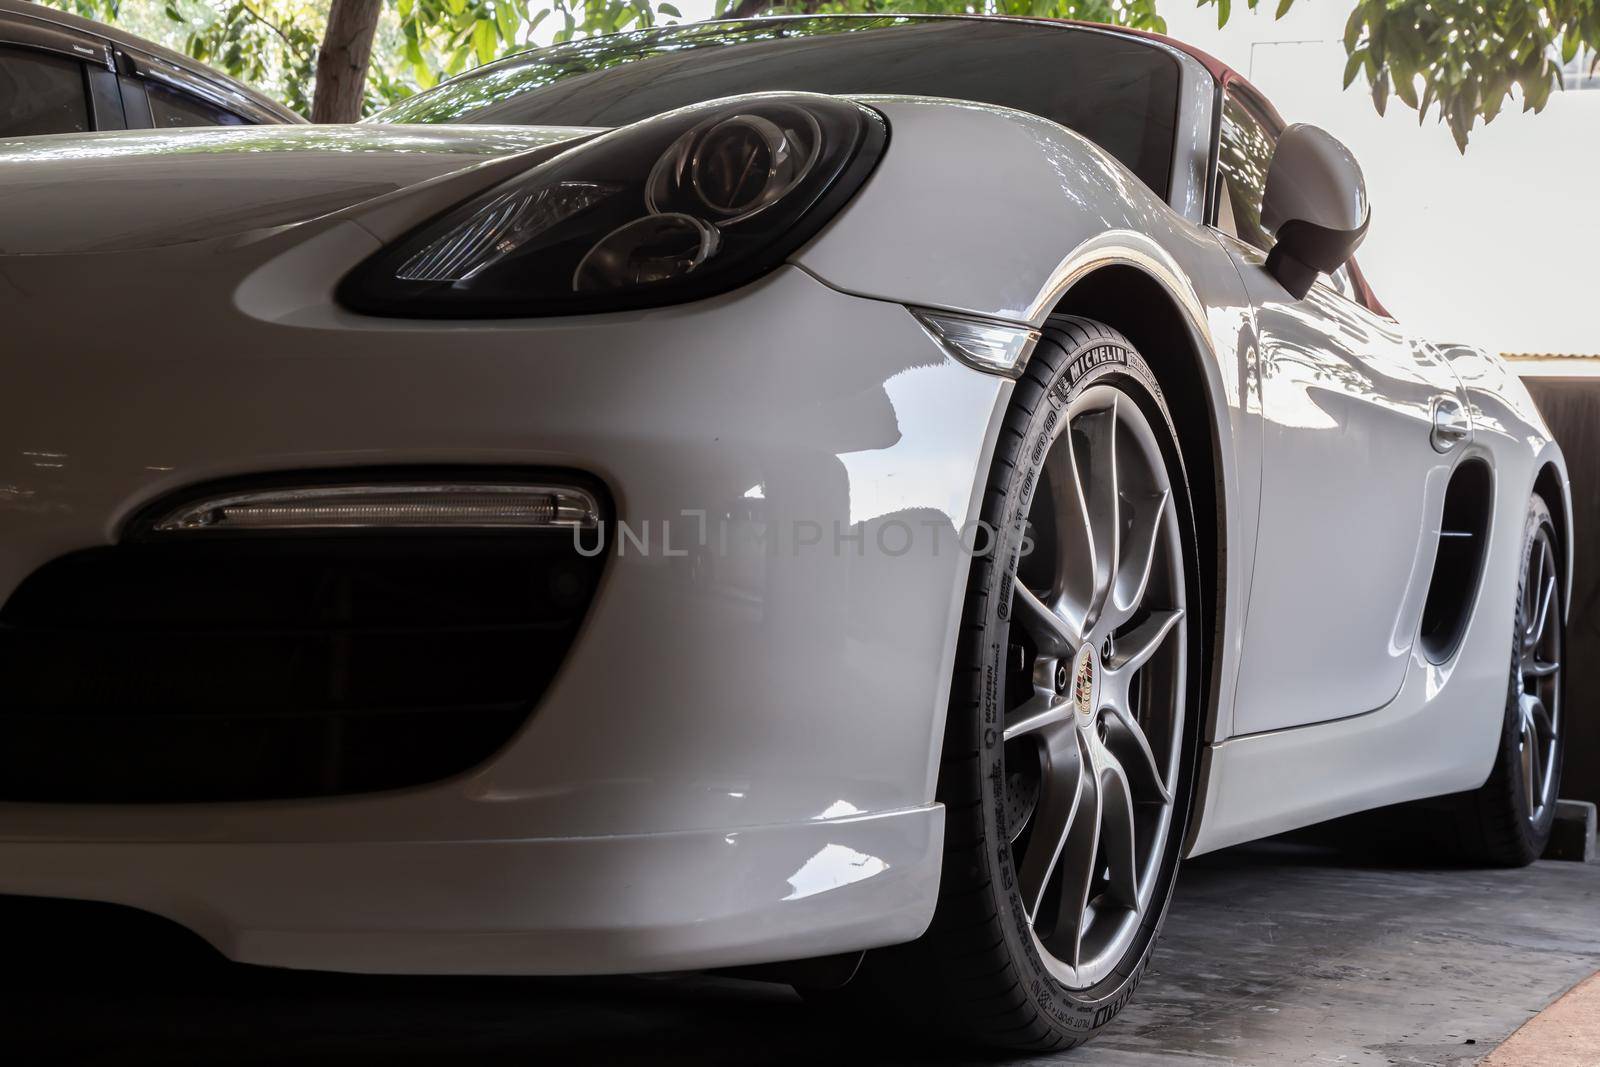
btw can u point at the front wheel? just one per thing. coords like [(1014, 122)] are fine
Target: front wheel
[(1070, 744)]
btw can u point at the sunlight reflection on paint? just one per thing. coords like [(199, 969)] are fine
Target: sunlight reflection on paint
[(833, 867), (931, 411), (839, 809), (123, 144)]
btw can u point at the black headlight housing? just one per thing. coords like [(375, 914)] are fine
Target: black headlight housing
[(677, 207)]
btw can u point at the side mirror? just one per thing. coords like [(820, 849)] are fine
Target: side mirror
[(1315, 204)]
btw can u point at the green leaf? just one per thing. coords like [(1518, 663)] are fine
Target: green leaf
[(1224, 9), (1460, 125), (1283, 9), (1425, 103), (1492, 104), (669, 9), (1352, 29), (483, 40), (1405, 87), (505, 21), (1351, 68), (1539, 94)]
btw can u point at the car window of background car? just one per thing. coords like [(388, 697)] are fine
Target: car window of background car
[(170, 108), (40, 94), (1118, 92)]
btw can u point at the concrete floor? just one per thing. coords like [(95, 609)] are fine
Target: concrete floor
[(1279, 953)]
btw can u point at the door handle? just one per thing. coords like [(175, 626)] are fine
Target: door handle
[(1450, 423)]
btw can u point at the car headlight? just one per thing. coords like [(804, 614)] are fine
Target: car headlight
[(677, 207)]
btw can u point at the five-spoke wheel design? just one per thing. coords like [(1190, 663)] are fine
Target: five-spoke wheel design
[(1539, 699), (1096, 686)]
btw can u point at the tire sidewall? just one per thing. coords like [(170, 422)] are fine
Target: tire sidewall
[(1534, 834)]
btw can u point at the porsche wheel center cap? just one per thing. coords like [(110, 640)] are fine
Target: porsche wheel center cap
[(1086, 683)]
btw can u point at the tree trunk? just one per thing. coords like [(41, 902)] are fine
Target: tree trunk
[(343, 60)]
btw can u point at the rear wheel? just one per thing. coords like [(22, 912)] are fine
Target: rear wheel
[(1508, 819), (1069, 749)]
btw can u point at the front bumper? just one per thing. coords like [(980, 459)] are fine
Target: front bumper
[(566, 905), (736, 762)]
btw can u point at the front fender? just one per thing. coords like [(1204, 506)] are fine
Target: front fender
[(998, 213), (995, 212)]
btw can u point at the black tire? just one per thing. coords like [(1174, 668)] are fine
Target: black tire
[(977, 972), (1494, 823)]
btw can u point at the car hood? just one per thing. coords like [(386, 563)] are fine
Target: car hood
[(132, 189)]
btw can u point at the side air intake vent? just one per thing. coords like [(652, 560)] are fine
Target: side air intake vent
[(1458, 566)]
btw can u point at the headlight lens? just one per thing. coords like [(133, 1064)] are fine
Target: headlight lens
[(677, 207)]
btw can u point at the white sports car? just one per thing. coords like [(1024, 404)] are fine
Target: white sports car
[(868, 495)]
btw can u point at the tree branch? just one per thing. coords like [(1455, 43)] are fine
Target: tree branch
[(275, 28)]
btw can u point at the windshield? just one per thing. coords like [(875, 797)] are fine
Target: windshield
[(1118, 91)]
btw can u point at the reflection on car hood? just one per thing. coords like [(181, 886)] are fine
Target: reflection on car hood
[(147, 188)]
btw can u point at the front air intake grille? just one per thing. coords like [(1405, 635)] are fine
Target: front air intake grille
[(246, 668)]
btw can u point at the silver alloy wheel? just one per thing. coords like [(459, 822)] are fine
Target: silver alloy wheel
[(1099, 635), (1538, 700)]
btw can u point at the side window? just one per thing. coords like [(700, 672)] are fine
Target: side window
[(40, 93), (170, 107), (1244, 154)]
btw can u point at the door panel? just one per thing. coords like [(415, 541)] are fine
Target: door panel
[(1349, 506)]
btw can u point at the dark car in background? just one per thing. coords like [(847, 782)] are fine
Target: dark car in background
[(64, 74)]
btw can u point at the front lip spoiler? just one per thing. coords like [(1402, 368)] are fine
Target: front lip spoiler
[(692, 899)]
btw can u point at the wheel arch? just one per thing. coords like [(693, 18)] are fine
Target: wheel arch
[(1551, 483), (1128, 292)]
